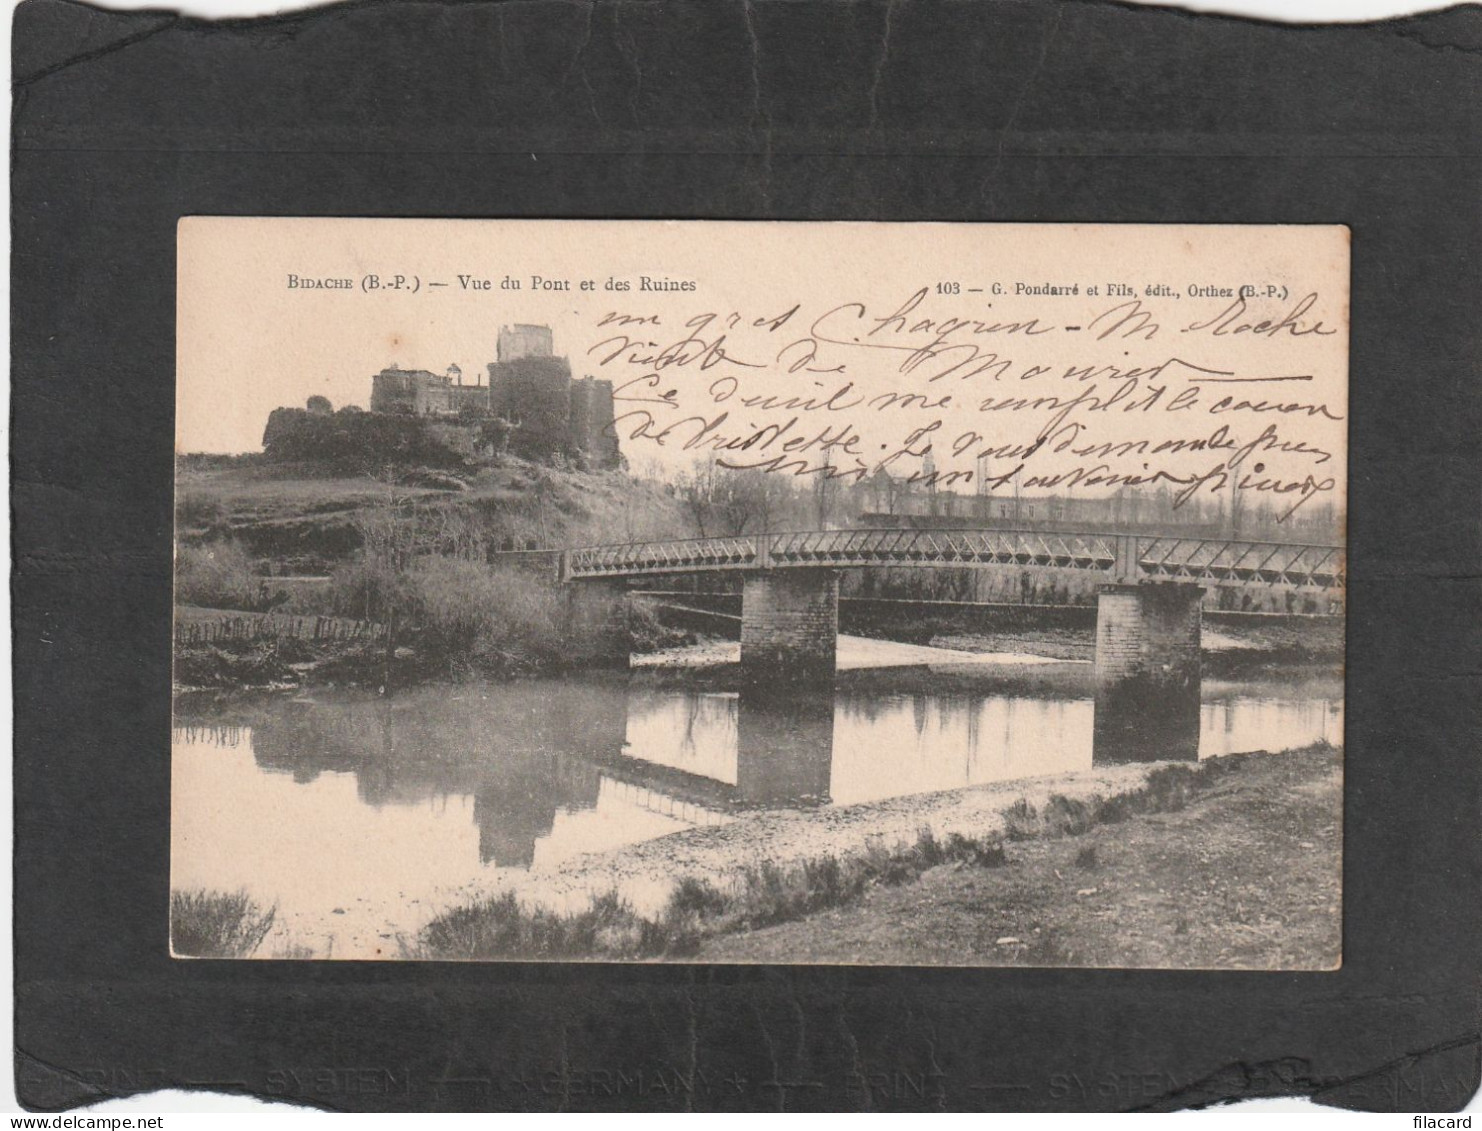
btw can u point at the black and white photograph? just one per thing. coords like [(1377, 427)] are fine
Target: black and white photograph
[(895, 594)]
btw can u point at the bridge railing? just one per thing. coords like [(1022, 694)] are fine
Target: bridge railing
[(688, 555), (945, 548), (1118, 557), (1235, 562)]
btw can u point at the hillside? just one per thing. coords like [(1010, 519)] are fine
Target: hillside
[(303, 518)]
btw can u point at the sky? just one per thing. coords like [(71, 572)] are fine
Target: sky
[(793, 345)]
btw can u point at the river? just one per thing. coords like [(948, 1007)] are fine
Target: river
[(361, 817)]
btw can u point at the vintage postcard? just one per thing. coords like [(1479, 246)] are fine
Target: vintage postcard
[(850, 593)]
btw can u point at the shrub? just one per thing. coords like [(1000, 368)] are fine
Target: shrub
[(971, 850), (760, 895), (647, 631), (931, 851), (1021, 820), (1171, 787), (475, 616), (693, 896), (215, 924), (502, 927), (366, 588), (432, 477), (217, 575), (490, 618), (1067, 815)]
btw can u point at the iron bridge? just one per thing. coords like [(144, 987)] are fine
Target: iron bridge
[(1119, 558)]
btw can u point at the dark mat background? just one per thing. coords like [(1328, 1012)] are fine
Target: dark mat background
[(708, 108)]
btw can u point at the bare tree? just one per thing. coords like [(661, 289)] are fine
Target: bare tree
[(697, 489), (752, 501)]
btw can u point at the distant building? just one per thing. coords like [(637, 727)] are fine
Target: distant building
[(886, 501), (529, 387)]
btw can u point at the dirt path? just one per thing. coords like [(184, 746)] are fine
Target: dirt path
[(1247, 877)]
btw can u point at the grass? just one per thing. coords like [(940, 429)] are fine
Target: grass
[(455, 617), (1167, 789), (216, 924), (503, 927), (1230, 864), (769, 893), (759, 895)]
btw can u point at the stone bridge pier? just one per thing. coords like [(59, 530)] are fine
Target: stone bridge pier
[(790, 626), (1147, 673)]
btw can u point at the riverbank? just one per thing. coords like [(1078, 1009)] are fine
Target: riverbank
[(1230, 863), (1245, 875), (853, 653), (228, 649), (1006, 665), (1232, 645), (292, 659)]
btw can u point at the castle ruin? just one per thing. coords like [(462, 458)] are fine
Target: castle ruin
[(547, 412)]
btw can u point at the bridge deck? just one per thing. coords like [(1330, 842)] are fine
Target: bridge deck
[(1124, 558)]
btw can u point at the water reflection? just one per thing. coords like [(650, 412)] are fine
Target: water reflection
[(430, 790), (747, 749), (1137, 722), (520, 753), (939, 742)]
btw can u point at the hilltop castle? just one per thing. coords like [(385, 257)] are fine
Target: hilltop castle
[(530, 390)]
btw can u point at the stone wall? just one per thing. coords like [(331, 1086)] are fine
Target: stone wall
[(416, 392)]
